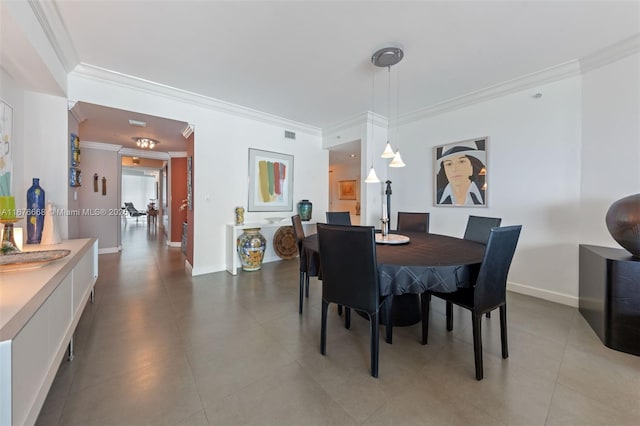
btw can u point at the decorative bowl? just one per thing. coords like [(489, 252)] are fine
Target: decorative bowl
[(274, 219)]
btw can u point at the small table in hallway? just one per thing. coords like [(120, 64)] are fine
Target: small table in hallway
[(152, 215)]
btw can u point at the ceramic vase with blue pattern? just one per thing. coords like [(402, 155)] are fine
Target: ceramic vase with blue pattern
[(251, 247), (35, 212)]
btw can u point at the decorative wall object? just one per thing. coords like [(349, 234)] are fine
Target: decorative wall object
[(75, 150), (189, 183), (6, 127), (95, 182), (270, 181), (74, 171), (74, 177), (347, 190), (251, 246), (104, 185), (623, 223), (461, 173), (35, 212)]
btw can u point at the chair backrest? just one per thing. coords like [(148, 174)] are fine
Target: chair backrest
[(413, 222), (349, 267), (491, 284), (338, 218), (298, 230), (130, 208), (479, 227)]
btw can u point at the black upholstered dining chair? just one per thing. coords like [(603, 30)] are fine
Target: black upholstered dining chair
[(488, 293), (298, 232), (413, 222), (350, 277), (479, 227), (338, 218)]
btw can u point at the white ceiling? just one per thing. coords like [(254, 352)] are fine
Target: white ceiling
[(309, 61), (109, 125)]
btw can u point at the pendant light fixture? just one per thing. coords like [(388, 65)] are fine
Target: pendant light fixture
[(372, 177), (387, 57)]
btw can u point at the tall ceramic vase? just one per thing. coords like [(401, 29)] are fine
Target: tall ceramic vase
[(35, 212), (251, 247)]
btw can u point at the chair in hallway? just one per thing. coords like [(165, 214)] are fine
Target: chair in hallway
[(133, 212), (298, 232), (488, 293), (413, 222), (338, 218), (350, 278), (479, 228)]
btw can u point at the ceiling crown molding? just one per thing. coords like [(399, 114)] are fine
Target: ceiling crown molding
[(611, 54), (363, 118), (100, 74), (53, 26), (556, 73), (75, 111), (100, 145), (144, 153)]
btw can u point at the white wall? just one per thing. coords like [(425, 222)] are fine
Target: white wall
[(533, 179), (220, 180), (610, 144), (46, 154)]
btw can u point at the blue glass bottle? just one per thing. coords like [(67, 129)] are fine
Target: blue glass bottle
[(35, 212)]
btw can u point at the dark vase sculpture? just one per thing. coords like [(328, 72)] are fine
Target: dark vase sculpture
[(304, 209), (623, 222), (35, 212)]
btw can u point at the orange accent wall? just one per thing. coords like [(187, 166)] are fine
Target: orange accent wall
[(178, 193)]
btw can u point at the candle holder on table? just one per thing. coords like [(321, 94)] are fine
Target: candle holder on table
[(8, 244), (385, 228)]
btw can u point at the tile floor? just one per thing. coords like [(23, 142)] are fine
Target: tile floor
[(159, 347)]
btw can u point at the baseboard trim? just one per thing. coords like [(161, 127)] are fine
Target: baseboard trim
[(174, 243), (549, 295), (188, 267), (109, 250), (207, 269)]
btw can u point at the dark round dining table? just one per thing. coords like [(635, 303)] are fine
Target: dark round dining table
[(428, 262)]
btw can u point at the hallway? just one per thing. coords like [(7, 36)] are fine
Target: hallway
[(159, 347)]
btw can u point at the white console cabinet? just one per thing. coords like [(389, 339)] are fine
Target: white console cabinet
[(267, 230), (39, 311)]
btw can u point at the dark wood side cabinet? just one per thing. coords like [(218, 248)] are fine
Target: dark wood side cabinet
[(610, 296)]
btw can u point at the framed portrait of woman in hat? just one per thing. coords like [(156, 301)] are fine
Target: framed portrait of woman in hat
[(461, 173)]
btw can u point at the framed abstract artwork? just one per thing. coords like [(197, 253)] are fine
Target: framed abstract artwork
[(461, 173), (347, 190), (6, 148), (270, 181)]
